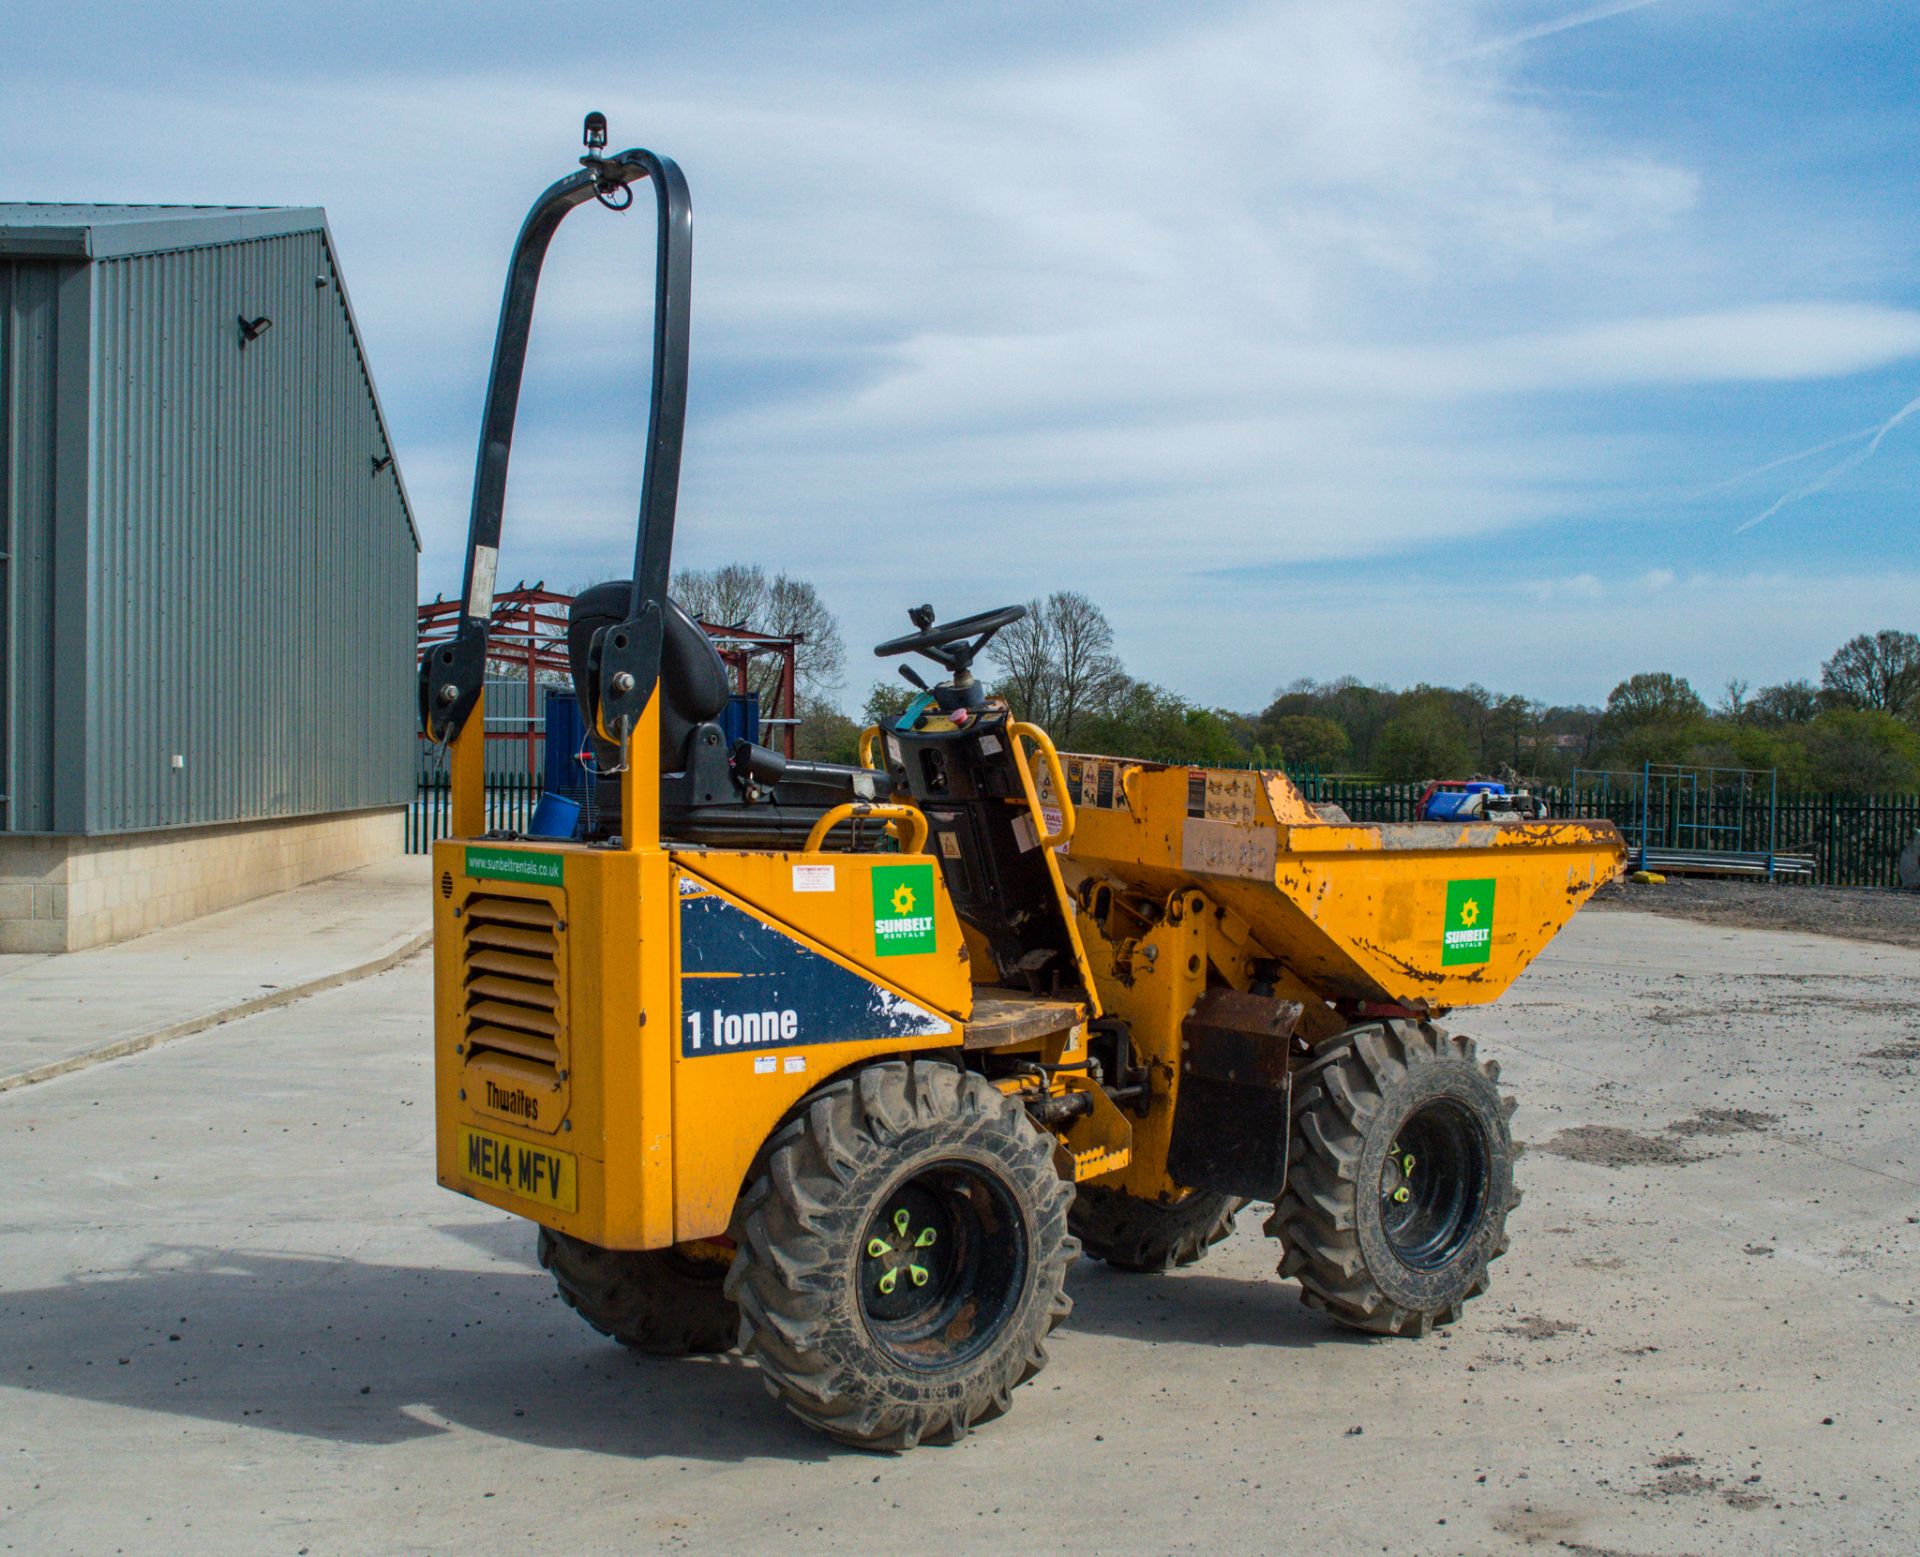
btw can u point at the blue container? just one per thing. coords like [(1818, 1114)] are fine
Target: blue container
[(1446, 804), (554, 817), (566, 737), (740, 719)]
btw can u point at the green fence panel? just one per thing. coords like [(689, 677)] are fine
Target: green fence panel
[(1855, 840)]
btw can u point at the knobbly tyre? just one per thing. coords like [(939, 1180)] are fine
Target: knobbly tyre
[(843, 1065)]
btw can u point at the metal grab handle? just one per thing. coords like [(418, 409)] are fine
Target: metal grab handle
[(1032, 732), (857, 810), (867, 738)]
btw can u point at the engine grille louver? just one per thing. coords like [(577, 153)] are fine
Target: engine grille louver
[(512, 986)]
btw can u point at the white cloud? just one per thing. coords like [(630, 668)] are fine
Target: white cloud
[(1579, 586), (1253, 293)]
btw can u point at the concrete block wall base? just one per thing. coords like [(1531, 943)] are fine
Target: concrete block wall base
[(68, 893)]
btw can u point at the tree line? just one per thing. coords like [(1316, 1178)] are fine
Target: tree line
[(1855, 730)]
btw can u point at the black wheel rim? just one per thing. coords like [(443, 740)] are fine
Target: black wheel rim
[(941, 1265), (1433, 1184)]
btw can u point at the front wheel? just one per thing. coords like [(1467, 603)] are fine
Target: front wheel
[(902, 1255), (1399, 1180)]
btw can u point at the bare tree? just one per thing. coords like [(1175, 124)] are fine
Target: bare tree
[(1057, 665), (1024, 655), (794, 609), (1876, 670), (1734, 702), (741, 595), (726, 596)]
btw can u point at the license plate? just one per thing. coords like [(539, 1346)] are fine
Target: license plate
[(530, 1172)]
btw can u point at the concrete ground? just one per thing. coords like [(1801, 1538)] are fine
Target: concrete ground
[(237, 1315), (59, 1013)]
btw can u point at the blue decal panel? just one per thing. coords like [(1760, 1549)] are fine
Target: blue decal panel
[(745, 986)]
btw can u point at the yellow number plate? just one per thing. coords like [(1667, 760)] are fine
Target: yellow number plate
[(531, 1172)]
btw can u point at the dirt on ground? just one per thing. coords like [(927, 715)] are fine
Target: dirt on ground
[(1853, 913)]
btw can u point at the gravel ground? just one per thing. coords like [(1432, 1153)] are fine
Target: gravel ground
[(1854, 913), (236, 1315)]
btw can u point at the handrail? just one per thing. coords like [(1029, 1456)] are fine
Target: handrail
[(1019, 730), (867, 737), (859, 810), (452, 674)]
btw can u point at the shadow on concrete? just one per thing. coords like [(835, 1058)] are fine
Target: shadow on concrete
[(1193, 1308), (365, 1353)]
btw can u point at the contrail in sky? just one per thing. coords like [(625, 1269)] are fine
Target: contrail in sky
[(1786, 459), (1593, 13), (1827, 477)]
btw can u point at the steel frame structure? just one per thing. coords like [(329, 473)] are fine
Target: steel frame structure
[(527, 637)]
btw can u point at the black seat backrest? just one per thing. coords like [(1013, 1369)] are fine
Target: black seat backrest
[(987, 842), (693, 678)]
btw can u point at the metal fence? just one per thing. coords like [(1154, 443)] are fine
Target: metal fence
[(511, 798), (1855, 840)]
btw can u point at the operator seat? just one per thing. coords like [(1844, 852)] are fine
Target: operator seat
[(749, 797), (693, 677)]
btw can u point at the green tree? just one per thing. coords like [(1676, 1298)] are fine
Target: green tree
[(1360, 710), (1862, 751), (1651, 717), (1791, 702), (1210, 739), (1143, 721), (1423, 740), (825, 734), (1653, 697), (1310, 741), (886, 701)]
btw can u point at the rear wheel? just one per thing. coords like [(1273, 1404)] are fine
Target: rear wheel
[(1134, 1234), (668, 1302), (1399, 1180), (902, 1256)]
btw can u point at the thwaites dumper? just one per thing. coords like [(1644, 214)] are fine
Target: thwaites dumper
[(845, 1065)]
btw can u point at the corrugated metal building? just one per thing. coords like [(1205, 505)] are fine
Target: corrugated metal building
[(207, 569)]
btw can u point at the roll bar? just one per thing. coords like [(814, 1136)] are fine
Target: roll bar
[(454, 674)]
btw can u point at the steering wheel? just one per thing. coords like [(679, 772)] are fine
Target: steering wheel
[(947, 643)]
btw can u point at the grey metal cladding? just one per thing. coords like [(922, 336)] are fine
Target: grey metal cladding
[(226, 578), (254, 575), (29, 346)]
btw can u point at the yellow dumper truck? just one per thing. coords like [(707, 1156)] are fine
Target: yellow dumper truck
[(844, 1065)]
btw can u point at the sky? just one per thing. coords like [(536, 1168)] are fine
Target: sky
[(1532, 344)]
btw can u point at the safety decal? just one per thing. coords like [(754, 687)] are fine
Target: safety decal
[(903, 910), (1467, 935), (746, 986)]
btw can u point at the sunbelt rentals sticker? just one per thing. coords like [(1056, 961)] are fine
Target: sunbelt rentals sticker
[(902, 910), (1468, 936), (544, 870)]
